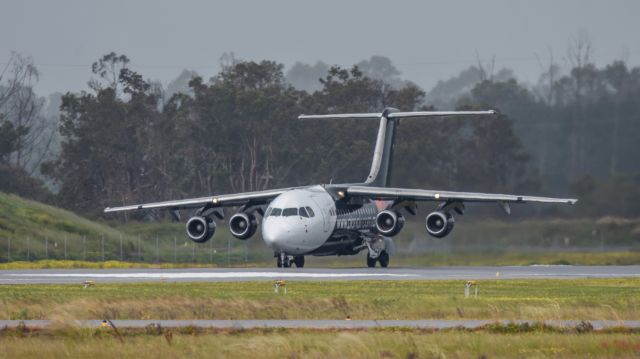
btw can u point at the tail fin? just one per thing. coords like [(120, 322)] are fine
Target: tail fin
[(380, 172)]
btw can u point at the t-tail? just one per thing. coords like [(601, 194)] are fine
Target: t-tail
[(380, 172)]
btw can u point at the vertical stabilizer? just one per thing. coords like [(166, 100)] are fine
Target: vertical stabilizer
[(380, 172)]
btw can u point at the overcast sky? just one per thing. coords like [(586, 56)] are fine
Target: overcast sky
[(428, 41)]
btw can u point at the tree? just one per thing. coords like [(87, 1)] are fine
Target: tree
[(20, 105), (108, 69), (241, 127), (102, 161), (307, 77)]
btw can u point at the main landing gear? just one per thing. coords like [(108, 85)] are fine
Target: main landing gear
[(285, 261), (383, 258), (378, 251)]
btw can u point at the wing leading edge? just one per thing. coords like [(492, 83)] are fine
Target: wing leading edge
[(386, 193), (225, 200)]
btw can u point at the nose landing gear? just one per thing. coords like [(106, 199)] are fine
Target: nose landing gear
[(285, 261)]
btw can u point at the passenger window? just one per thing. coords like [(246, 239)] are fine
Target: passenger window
[(303, 212), (276, 212), (311, 214), (288, 212)]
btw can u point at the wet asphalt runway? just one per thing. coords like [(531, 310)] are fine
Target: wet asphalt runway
[(61, 276)]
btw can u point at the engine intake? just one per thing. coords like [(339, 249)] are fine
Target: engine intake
[(200, 229), (439, 224), (243, 225), (389, 223)]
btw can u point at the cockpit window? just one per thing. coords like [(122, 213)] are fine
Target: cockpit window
[(310, 211), (275, 212), (268, 212), (287, 212), (303, 212)]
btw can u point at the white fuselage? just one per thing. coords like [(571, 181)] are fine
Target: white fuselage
[(299, 221)]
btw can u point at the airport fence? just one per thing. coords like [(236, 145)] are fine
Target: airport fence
[(224, 250), (155, 249)]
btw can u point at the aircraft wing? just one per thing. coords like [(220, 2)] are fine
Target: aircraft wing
[(386, 193), (225, 200)]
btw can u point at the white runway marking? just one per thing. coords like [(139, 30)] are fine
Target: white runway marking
[(212, 275), (61, 276)]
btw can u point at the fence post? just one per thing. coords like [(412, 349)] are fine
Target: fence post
[(103, 247)]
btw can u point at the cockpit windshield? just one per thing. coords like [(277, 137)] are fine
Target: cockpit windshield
[(275, 212), (287, 212)]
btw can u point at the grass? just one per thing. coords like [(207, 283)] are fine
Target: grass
[(423, 260), (583, 299), (21, 217), (319, 344)]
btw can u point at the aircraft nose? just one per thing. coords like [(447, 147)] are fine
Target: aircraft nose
[(275, 233)]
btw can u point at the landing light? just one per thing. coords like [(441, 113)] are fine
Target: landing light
[(341, 194), (215, 200), (437, 195)]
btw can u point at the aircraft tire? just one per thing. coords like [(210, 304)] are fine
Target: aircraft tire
[(371, 262), (384, 259), (299, 261)]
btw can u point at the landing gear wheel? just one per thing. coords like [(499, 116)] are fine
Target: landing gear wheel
[(299, 261), (371, 262), (283, 260), (384, 259)]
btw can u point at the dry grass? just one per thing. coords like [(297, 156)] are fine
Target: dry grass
[(585, 299), (321, 344)]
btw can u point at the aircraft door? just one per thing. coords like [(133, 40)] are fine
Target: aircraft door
[(322, 209), (303, 215)]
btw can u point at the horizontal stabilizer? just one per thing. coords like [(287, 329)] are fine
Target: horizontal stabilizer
[(372, 116), (398, 115), (439, 113)]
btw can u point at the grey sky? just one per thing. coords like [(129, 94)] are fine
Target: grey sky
[(427, 41)]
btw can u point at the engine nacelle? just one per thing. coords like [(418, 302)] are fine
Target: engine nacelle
[(200, 229), (243, 225), (439, 224), (389, 223)]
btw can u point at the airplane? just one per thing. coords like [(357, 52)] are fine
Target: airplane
[(336, 219)]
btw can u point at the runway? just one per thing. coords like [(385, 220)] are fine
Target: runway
[(318, 324), (62, 276)]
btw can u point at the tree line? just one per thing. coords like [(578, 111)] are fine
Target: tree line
[(124, 142)]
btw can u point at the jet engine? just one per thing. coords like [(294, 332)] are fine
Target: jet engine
[(200, 229), (439, 223), (243, 225), (389, 223)]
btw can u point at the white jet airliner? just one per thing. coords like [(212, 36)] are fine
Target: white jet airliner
[(336, 219)]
